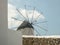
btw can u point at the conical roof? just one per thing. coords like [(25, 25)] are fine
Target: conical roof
[(25, 24)]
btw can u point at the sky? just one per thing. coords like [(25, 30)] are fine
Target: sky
[(50, 10)]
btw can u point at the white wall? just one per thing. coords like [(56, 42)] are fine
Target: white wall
[(27, 31), (4, 24), (14, 37)]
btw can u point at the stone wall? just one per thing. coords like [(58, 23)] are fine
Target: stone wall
[(41, 41)]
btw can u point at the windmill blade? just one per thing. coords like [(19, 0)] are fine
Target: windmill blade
[(44, 22), (20, 13), (26, 14), (16, 19), (41, 22), (41, 27), (37, 31), (36, 19), (13, 28), (32, 16)]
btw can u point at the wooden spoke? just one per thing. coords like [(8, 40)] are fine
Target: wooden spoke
[(16, 19), (41, 27), (26, 14), (20, 12), (36, 19), (32, 15), (36, 31), (41, 22)]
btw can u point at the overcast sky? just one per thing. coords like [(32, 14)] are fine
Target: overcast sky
[(50, 10)]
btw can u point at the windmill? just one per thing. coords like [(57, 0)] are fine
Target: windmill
[(27, 27)]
